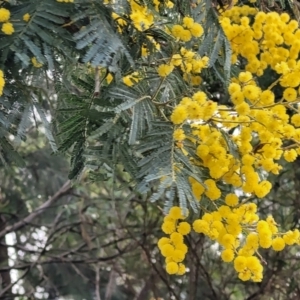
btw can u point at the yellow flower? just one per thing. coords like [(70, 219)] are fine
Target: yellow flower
[(176, 60), (163, 241), (188, 22), (231, 199), (179, 114), (234, 87), (181, 269), (164, 70), (167, 250), (176, 238), (243, 109), (196, 30), (290, 155), (109, 78), (172, 268), (278, 244), (240, 263), (8, 28), (198, 189), (4, 14), (178, 255), (245, 77), (168, 227), (177, 30), (176, 213), (201, 226), (251, 92), (290, 94), (227, 255), (185, 35), (296, 120), (26, 17), (2, 82), (178, 135), (184, 228), (35, 62), (245, 275), (212, 192)]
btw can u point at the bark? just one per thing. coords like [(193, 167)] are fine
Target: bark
[(5, 279)]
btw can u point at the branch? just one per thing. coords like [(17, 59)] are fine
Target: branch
[(97, 284), (61, 192)]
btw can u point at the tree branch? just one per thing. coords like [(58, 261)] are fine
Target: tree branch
[(61, 192)]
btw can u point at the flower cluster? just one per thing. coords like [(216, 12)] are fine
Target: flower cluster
[(239, 231), (187, 30), (2, 82), (7, 27), (190, 64), (173, 248), (167, 3), (258, 130), (140, 16)]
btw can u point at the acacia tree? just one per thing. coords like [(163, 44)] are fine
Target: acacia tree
[(197, 101)]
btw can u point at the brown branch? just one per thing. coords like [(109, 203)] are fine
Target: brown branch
[(61, 192), (97, 283)]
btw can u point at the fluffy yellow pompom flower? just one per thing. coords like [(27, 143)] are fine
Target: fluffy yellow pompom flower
[(176, 238), (212, 192), (179, 114), (198, 189), (8, 28), (245, 77), (178, 255), (163, 241), (278, 244), (227, 255), (188, 22), (231, 199), (291, 237), (181, 269), (26, 17), (251, 92), (262, 189), (178, 135), (4, 14), (167, 250), (201, 226), (175, 212), (177, 30), (290, 155), (172, 268), (243, 109), (185, 35), (296, 120), (168, 227), (184, 228), (240, 263), (245, 275), (196, 30), (290, 94), (234, 87), (164, 70), (176, 60)]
